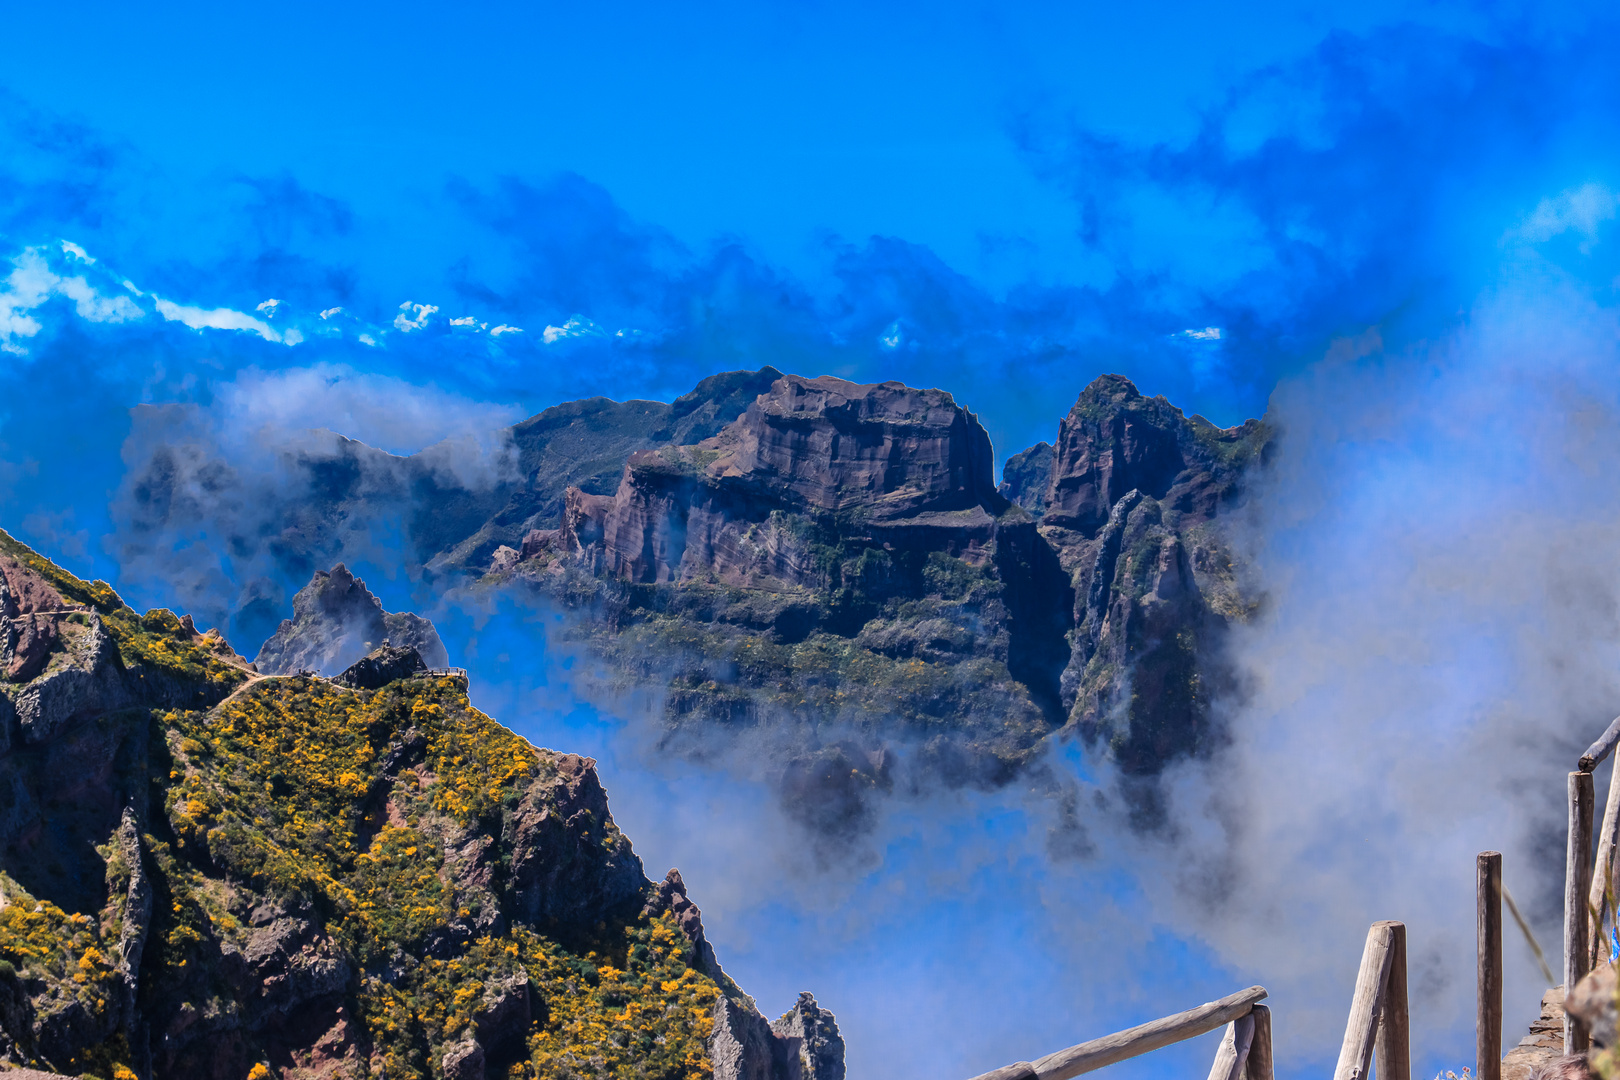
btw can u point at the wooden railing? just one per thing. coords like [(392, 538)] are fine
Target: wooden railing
[(1245, 1051), (1379, 1025), (1589, 898)]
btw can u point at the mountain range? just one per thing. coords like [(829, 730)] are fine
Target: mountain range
[(831, 570)]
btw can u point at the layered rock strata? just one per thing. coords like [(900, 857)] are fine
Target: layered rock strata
[(207, 873)]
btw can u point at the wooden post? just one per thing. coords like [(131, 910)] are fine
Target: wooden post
[(1355, 1056), (1394, 1021), (1260, 1063), (1488, 999), (1603, 885), (1577, 887), (1232, 1056)]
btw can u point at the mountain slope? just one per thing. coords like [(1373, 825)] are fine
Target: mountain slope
[(212, 873)]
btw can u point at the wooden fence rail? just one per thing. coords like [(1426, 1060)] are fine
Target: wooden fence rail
[(1379, 1024), (1133, 1042)]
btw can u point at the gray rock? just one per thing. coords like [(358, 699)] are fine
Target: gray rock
[(464, 1061), (382, 666), (336, 621), (91, 682), (741, 1045), (1026, 476), (808, 1045)]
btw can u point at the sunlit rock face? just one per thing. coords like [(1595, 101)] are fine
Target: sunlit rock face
[(1114, 441), (336, 620), (207, 873), (911, 467)]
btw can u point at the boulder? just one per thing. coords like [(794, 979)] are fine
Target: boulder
[(382, 666)]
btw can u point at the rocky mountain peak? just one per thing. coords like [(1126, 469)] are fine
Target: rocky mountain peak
[(1114, 441), (336, 621)]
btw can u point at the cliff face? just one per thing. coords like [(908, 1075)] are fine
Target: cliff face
[(884, 459), (1131, 502), (207, 872), (335, 622), (838, 559)]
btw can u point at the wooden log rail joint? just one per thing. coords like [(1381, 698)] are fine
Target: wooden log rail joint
[(1602, 748)]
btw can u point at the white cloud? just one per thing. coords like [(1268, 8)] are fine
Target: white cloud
[(331, 311), (91, 305), (1208, 333), (504, 329), (1583, 209), (214, 319), (367, 339), (270, 307), (413, 316), (293, 336), (70, 248), (466, 321), (576, 326), (891, 337), (32, 282), (130, 285), (380, 410)]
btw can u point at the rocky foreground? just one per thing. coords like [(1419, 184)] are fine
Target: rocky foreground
[(210, 872)]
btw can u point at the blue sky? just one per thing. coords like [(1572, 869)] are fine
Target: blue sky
[(410, 223)]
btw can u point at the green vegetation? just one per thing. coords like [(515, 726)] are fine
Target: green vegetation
[(157, 642)]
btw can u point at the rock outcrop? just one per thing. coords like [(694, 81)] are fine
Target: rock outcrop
[(909, 467), (207, 873), (1130, 507), (336, 620), (385, 664)]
